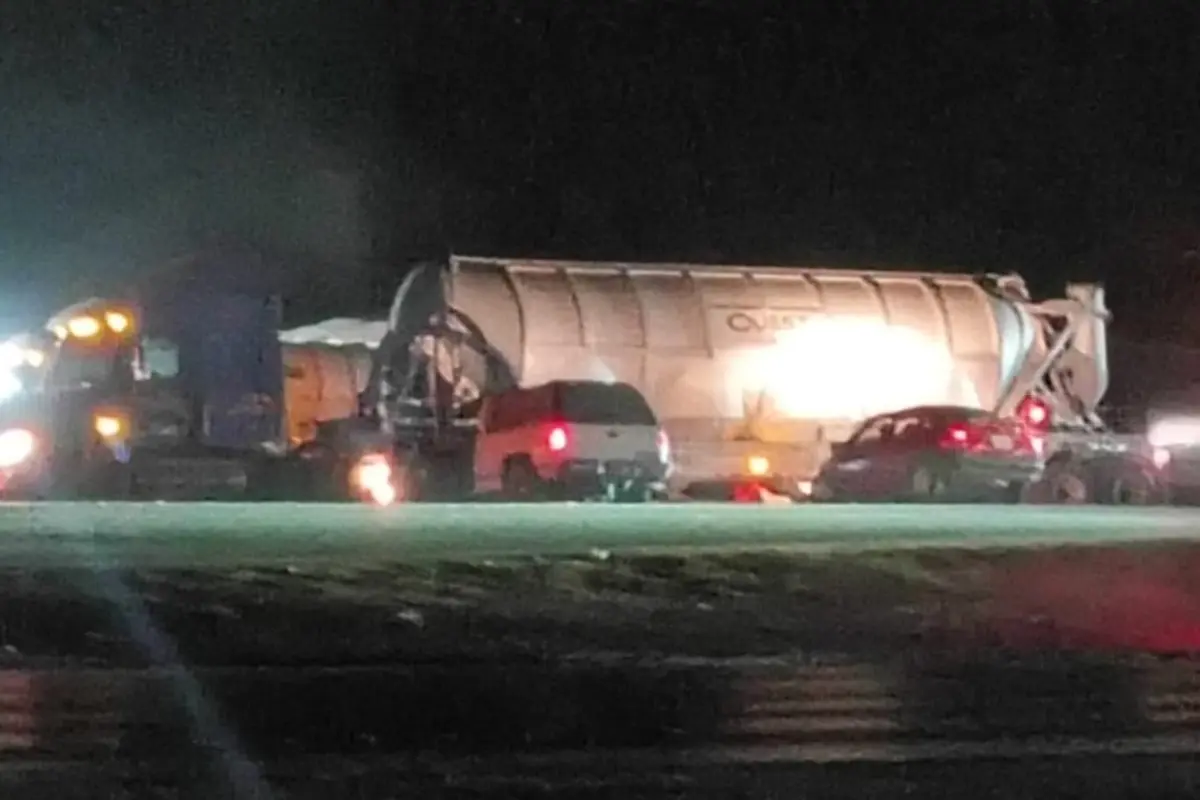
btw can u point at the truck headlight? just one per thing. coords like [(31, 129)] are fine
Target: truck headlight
[(16, 445)]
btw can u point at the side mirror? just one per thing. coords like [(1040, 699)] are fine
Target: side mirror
[(838, 450)]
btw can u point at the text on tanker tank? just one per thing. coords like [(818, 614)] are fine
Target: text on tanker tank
[(763, 320)]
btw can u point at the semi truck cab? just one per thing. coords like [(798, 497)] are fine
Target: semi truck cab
[(164, 396)]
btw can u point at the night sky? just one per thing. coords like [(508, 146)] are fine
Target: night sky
[(1058, 139)]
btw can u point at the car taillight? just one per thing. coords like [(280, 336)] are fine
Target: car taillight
[(557, 440), (663, 443), (959, 436)]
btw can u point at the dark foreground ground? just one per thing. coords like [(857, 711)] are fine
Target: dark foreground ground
[(1049, 673)]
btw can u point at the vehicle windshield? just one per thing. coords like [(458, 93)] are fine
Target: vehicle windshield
[(82, 365), (604, 404)]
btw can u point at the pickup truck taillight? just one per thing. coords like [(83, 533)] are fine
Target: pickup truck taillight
[(557, 439)]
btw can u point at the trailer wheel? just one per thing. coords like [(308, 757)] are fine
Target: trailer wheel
[(1064, 482), (1133, 486)]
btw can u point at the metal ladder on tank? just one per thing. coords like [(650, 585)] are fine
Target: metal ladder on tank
[(1049, 374)]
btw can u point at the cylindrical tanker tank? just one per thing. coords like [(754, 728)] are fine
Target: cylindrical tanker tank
[(321, 383), (718, 350)]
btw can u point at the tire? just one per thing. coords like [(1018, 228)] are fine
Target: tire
[(1016, 493), (117, 481), (1133, 486), (520, 483), (639, 494), (74, 478), (410, 477), (926, 486), (314, 472), (1063, 483), (822, 492)]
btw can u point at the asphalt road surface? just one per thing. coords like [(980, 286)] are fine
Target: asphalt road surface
[(580, 729), (213, 534)]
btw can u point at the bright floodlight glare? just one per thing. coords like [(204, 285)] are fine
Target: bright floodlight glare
[(11, 355), (1176, 432), (10, 384), (840, 367), (16, 445)]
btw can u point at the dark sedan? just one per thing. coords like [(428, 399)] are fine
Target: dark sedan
[(933, 454)]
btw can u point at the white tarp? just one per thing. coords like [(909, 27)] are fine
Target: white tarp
[(338, 332)]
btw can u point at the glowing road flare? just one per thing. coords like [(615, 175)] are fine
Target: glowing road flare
[(10, 384), (372, 476), (11, 355), (1175, 432)]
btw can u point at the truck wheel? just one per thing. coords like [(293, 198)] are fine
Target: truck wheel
[(638, 494), (657, 496), (315, 472), (411, 477), (116, 481), (1063, 483), (75, 480), (520, 482), (1134, 487), (1016, 493)]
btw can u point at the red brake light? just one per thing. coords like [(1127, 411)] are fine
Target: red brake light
[(557, 439), (964, 436), (1035, 413), (956, 436)]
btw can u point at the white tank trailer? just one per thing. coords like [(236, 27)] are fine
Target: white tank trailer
[(757, 364)]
